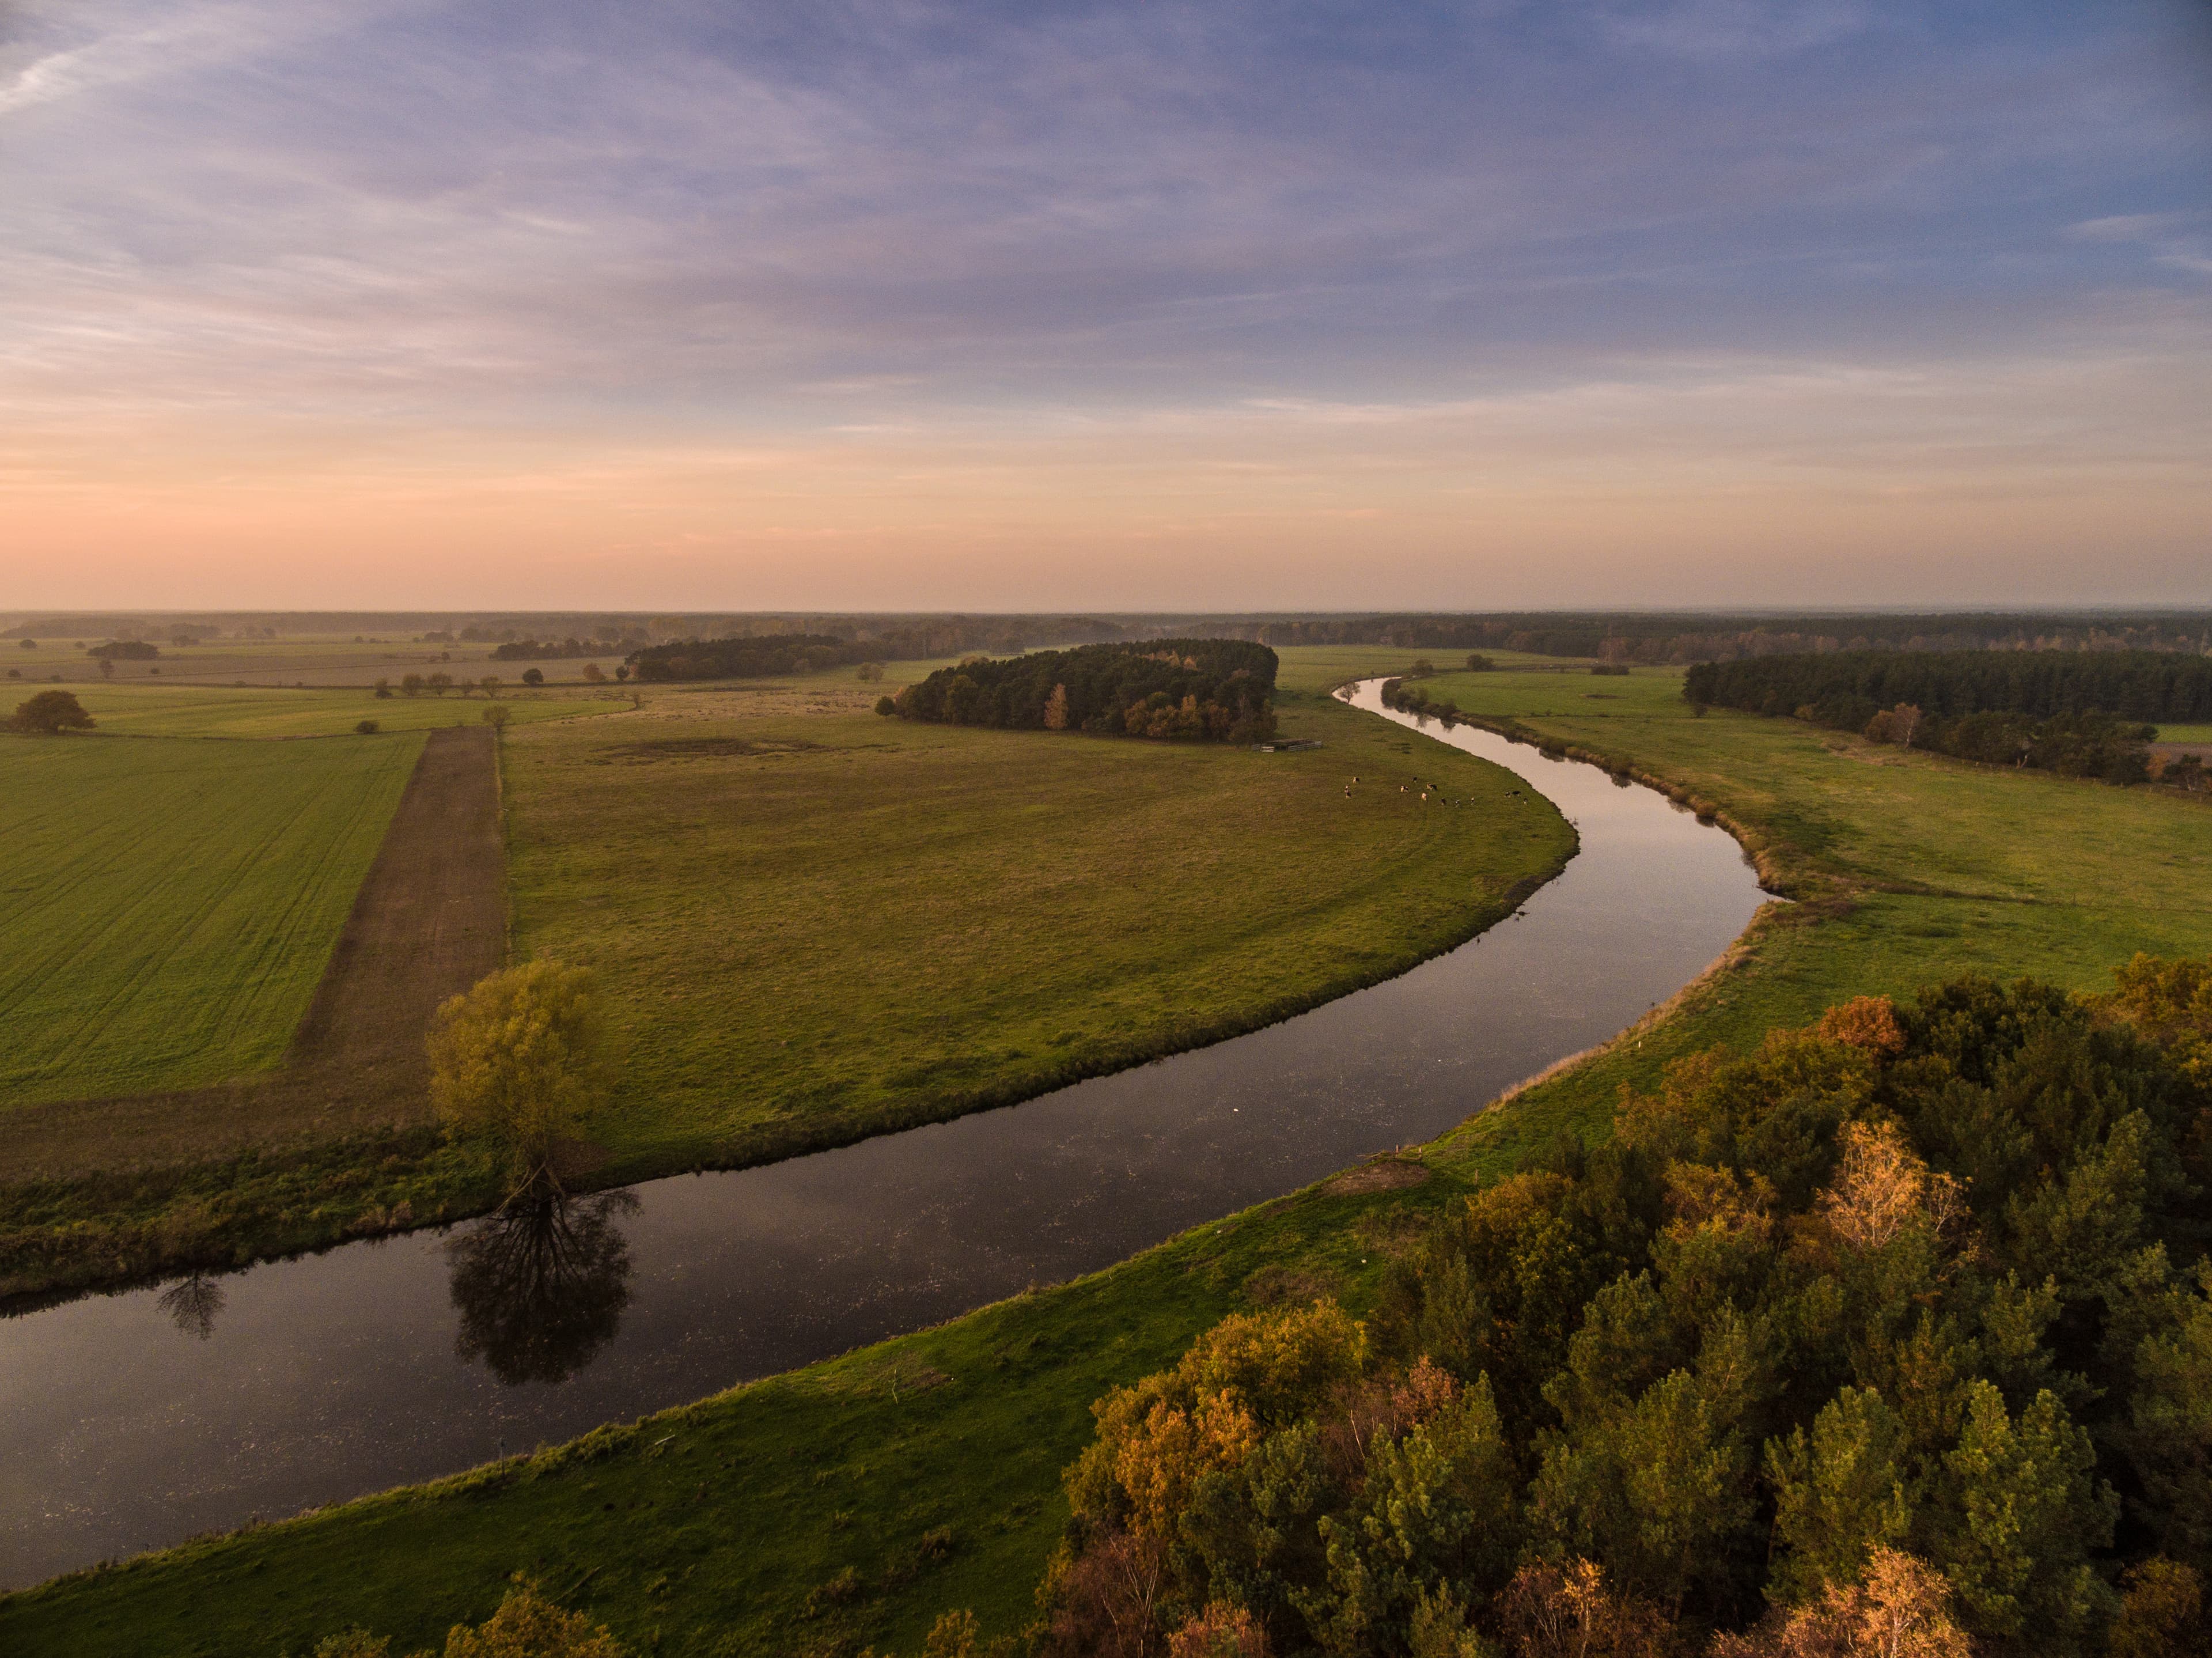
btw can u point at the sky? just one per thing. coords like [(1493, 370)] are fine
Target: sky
[(1039, 306)]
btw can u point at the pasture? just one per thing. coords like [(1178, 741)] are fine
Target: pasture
[(168, 905), (166, 710), (723, 1527), (812, 924)]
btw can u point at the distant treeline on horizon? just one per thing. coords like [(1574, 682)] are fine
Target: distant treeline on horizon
[(2077, 714), (1675, 637)]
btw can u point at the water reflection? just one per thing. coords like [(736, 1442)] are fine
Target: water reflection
[(192, 1303), (541, 1286)]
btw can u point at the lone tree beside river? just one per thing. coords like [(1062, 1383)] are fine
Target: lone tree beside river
[(515, 1060)]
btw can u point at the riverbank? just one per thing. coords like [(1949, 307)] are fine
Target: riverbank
[(727, 1526)]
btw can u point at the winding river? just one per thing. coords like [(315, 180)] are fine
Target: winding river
[(134, 1420)]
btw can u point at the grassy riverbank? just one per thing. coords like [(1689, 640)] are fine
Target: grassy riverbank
[(929, 1466)]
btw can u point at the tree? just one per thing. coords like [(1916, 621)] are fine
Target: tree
[(533, 676), (489, 684), (1055, 709), (411, 684), (384, 688), (592, 676), (107, 667), (440, 683), (515, 1060), (30, 645), (2161, 1613), (886, 706), (528, 1625), (50, 714), (869, 672), (2029, 1511), (366, 727), (496, 716), (1839, 1496)]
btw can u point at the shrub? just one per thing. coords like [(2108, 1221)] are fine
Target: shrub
[(533, 676), (366, 727)]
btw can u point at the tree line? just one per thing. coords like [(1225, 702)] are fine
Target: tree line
[(1193, 690), (745, 658), (1892, 1339), (1689, 636), (2079, 714), (552, 650)]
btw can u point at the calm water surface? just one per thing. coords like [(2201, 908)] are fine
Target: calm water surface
[(131, 1421)]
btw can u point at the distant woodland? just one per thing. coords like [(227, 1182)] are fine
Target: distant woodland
[(1192, 689), (744, 658), (2077, 714)]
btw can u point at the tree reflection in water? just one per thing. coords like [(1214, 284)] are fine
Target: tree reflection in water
[(541, 1285), (192, 1303)]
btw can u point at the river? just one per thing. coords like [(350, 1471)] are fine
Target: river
[(134, 1420)]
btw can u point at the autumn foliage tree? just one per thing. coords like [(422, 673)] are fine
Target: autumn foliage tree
[(1891, 1338), (515, 1060)]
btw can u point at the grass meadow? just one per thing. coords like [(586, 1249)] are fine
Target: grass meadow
[(810, 923), (929, 1466), (167, 906), (145, 710)]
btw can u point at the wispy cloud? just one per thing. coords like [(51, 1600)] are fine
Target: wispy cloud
[(390, 230)]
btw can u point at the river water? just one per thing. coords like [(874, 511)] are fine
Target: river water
[(134, 1420)]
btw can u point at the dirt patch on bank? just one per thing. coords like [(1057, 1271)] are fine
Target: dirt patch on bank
[(430, 920), (1380, 1174)]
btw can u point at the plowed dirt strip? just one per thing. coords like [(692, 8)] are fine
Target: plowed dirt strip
[(429, 921)]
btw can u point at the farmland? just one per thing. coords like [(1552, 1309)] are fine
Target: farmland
[(711, 1529), (170, 905), (146, 710), (1029, 910)]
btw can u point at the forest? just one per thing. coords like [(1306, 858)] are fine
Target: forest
[(1192, 689), (2076, 714), (1892, 1336), (1847, 690), (744, 658)]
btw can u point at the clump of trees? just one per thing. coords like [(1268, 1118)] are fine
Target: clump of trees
[(534, 650), (1410, 698), (1847, 690), (2080, 714), (1891, 1339), (1190, 689), (2070, 744), (747, 658), (49, 714), (126, 650), (515, 1061)]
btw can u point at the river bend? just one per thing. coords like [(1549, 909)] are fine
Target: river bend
[(134, 1420)]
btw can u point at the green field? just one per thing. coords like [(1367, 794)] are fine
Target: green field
[(168, 905), (812, 924), (209, 711), (706, 1532), (2185, 733)]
